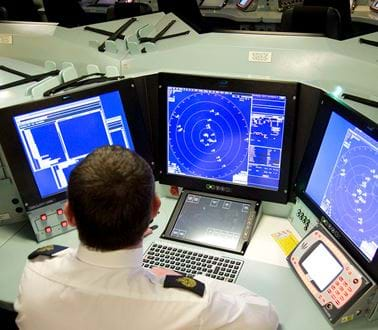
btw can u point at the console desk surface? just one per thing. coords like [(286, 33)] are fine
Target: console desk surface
[(265, 270)]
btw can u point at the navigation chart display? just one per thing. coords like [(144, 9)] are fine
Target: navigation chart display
[(55, 139), (226, 136), (224, 226), (344, 182)]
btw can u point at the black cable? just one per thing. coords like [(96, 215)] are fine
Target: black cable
[(29, 78), (81, 81), (361, 100), (117, 33), (70, 83), (13, 71), (103, 32), (157, 36), (368, 42)]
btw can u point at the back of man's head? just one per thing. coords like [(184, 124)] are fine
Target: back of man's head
[(110, 194)]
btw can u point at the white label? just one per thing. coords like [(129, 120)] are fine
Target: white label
[(265, 57), (6, 39), (4, 216)]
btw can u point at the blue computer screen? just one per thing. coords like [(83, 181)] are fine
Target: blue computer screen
[(226, 136), (344, 182), (55, 139)]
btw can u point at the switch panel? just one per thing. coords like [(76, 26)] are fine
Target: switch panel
[(302, 219), (49, 221)]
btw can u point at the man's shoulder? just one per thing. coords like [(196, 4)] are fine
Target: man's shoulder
[(49, 261)]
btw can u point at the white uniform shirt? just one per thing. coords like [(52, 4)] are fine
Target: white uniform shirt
[(85, 289)]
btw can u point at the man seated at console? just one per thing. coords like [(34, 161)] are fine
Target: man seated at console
[(102, 284)]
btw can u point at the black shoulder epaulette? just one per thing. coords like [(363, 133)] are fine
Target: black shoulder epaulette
[(183, 282), (48, 250)]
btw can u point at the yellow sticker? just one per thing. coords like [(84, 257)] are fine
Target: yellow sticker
[(286, 240), (6, 39), (347, 318)]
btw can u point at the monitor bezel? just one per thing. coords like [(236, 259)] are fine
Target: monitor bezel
[(289, 89), (328, 105), (14, 151)]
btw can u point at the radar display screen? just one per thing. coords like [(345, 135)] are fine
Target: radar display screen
[(344, 182), (226, 136), (231, 137)]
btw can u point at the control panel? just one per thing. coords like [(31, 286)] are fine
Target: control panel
[(49, 221), (11, 207), (330, 276)]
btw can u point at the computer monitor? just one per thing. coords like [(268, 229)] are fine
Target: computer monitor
[(339, 179), (44, 140), (227, 136)]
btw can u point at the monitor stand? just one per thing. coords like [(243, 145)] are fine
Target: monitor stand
[(215, 221)]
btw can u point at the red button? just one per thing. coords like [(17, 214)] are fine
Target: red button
[(59, 211), (43, 217), (64, 223), (48, 230)]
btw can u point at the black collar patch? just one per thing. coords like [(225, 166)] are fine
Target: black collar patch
[(184, 282), (48, 250)]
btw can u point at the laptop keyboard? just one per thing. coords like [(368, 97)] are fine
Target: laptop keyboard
[(191, 262)]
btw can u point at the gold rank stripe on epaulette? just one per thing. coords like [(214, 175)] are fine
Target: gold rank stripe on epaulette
[(184, 282), (48, 251)]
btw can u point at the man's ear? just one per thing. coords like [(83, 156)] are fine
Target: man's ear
[(156, 202), (69, 214)]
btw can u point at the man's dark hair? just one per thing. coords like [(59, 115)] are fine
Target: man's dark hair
[(110, 193)]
